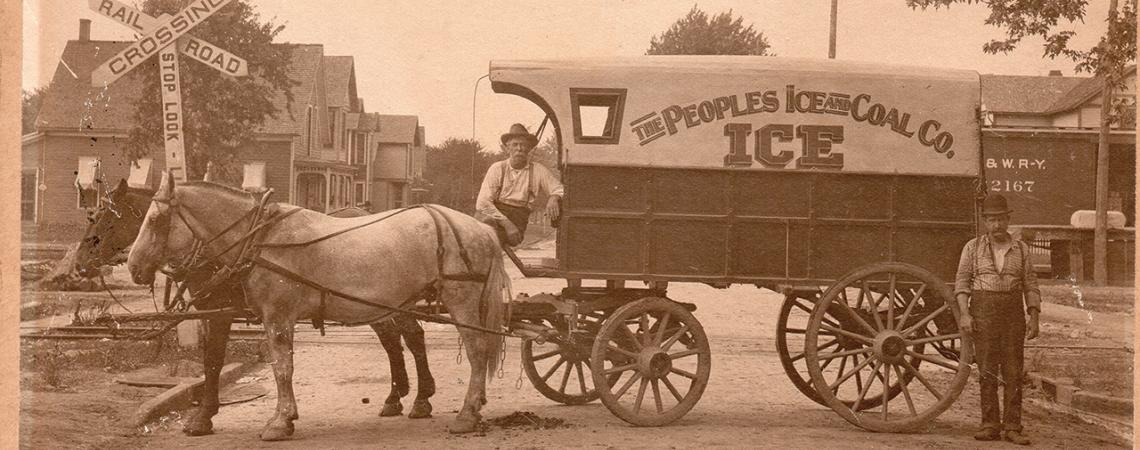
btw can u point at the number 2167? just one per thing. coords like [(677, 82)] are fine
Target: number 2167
[(1012, 185)]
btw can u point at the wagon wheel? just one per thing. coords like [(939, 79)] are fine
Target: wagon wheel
[(795, 314), (560, 370), (659, 346), (890, 337)]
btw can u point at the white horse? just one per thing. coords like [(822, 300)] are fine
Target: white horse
[(392, 259)]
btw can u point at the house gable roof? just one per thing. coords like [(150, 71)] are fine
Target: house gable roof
[(1082, 93), (339, 82), (1024, 94), (396, 129)]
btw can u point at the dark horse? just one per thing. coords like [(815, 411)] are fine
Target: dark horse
[(114, 226)]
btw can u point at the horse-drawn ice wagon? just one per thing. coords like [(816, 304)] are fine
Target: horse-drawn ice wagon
[(849, 188)]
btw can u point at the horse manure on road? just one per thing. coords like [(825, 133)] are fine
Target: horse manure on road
[(528, 420)]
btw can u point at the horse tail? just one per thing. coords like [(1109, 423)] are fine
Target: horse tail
[(496, 294)]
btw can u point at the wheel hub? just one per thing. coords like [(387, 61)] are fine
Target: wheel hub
[(890, 347), (654, 363)]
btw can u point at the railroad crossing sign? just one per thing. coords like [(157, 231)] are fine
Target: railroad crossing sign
[(166, 35)]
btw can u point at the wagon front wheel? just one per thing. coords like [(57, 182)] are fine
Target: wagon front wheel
[(651, 362), (896, 316)]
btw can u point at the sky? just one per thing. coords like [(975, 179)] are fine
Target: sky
[(423, 57)]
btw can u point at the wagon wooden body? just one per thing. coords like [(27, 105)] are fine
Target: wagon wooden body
[(848, 187)]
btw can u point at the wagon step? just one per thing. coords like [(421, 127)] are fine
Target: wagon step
[(535, 267)]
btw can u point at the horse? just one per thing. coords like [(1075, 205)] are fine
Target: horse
[(401, 256), (114, 226)]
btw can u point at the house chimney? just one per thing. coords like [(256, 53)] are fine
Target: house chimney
[(1055, 73), (84, 30)]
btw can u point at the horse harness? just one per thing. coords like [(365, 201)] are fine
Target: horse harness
[(266, 215)]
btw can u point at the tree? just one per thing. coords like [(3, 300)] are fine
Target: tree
[(1109, 60), (29, 109), (454, 170), (221, 114), (696, 34)]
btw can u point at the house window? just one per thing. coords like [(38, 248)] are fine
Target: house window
[(87, 182), (332, 127), (597, 115), (29, 183), (139, 176), (358, 193), (358, 149), (309, 135), (397, 195)]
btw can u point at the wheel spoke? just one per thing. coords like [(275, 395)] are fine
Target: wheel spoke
[(910, 306), (937, 360), (625, 387), (554, 368), (858, 351), (891, 305), (932, 339), (669, 385), (854, 372), (685, 353), (657, 398), (643, 328), (797, 304), (625, 330), (864, 389), (873, 305), (673, 339), (922, 380), (842, 364), (922, 323), (617, 369), (855, 316), (855, 336), (581, 378), (906, 391), (640, 395), (661, 326), (543, 356), (887, 376), (623, 351), (565, 379), (684, 373)]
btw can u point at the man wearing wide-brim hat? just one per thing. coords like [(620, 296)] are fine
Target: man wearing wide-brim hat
[(511, 186), (994, 276)]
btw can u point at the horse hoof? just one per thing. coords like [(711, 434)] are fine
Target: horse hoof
[(392, 409), (463, 425), (277, 433), (421, 409), (197, 427)]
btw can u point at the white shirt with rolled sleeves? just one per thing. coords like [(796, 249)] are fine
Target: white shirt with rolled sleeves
[(517, 187)]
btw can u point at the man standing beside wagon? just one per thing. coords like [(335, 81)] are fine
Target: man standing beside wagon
[(994, 275)]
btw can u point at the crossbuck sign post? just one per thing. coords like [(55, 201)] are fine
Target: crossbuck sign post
[(166, 35)]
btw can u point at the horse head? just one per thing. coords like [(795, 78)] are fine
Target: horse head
[(112, 228), (179, 216)]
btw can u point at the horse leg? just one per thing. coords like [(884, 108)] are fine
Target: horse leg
[(390, 339), (468, 419), (425, 384), (279, 336), (214, 357)]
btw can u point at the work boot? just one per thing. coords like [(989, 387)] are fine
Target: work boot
[(1017, 438), (987, 434)]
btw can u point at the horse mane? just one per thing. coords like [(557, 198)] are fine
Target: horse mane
[(219, 188)]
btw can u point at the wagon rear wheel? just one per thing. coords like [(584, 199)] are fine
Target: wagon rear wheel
[(791, 328), (560, 368), (901, 315), (651, 362)]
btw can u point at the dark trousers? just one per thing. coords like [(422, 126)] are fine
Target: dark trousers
[(518, 215), (999, 350)]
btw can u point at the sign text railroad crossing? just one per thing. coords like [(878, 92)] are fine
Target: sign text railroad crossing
[(165, 36)]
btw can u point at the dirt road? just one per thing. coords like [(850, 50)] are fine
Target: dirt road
[(749, 401)]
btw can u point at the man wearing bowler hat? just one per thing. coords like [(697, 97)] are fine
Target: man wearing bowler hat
[(994, 276), (511, 186)]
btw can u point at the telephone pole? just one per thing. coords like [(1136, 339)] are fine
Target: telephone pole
[(834, 14)]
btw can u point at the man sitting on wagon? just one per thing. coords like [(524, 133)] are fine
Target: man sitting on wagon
[(511, 186)]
